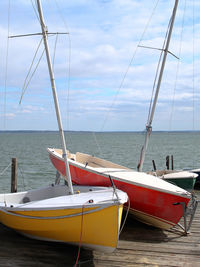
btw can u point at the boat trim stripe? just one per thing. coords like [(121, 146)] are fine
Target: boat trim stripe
[(154, 217), (106, 174), (55, 217)]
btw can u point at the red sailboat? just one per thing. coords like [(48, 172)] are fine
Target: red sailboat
[(152, 200)]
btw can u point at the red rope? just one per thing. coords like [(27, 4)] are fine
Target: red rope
[(80, 242)]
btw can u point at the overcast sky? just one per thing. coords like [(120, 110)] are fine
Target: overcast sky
[(91, 62)]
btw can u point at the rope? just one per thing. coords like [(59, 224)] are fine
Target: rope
[(5, 169), (127, 211), (80, 242)]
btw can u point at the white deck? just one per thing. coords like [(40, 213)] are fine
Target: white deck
[(121, 173), (180, 175), (141, 179), (48, 198)]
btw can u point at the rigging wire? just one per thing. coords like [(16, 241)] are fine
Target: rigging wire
[(193, 66), (35, 10), (25, 81), (157, 73), (125, 74), (129, 65), (69, 59), (22, 174), (5, 169), (54, 52), (26, 84), (6, 67), (193, 70), (97, 143), (178, 66)]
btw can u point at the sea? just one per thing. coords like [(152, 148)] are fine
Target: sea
[(35, 168)]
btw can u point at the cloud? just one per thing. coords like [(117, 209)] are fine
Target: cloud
[(8, 115), (104, 36)]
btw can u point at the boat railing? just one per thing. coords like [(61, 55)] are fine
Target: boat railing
[(188, 214)]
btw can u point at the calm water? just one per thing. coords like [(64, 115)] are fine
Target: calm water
[(35, 168)]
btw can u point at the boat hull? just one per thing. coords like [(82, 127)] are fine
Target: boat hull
[(183, 179), (197, 183), (149, 205), (185, 183), (99, 228), (89, 224)]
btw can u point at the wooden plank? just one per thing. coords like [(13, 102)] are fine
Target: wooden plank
[(16, 250), (147, 246), (139, 245), (153, 258)]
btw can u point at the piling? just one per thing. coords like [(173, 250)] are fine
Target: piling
[(154, 165), (167, 162), (14, 175), (172, 161)]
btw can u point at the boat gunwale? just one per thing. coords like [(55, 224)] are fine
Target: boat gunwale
[(183, 194), (11, 211)]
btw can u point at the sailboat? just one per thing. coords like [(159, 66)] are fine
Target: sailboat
[(81, 215), (181, 178), (184, 179), (152, 200)]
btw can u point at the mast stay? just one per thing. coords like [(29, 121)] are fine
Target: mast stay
[(53, 86), (150, 119)]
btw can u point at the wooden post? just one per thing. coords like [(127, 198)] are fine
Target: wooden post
[(167, 162), (14, 175), (172, 161), (154, 165)]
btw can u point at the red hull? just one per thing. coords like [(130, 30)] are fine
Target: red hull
[(149, 205)]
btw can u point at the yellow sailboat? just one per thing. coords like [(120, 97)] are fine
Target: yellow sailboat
[(90, 217), (79, 215)]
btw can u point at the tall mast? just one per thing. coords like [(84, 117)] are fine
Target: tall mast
[(149, 123), (53, 86)]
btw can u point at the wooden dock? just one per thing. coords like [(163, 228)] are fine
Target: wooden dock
[(139, 245)]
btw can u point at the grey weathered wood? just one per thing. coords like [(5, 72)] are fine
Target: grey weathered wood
[(172, 162), (142, 245), (139, 245), (14, 175)]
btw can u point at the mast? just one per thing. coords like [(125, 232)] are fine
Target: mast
[(149, 123), (53, 86)]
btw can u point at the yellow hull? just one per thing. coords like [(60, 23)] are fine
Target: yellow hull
[(95, 228)]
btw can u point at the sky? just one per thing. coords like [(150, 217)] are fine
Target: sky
[(104, 80)]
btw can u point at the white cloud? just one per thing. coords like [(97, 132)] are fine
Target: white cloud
[(104, 36), (8, 115)]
